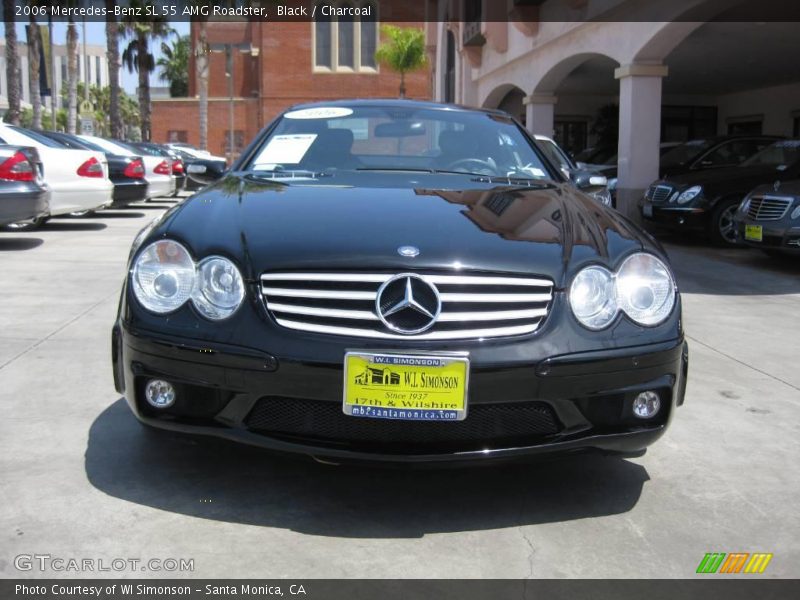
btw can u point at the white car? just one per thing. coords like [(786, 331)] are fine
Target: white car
[(158, 169), (77, 179), (195, 152)]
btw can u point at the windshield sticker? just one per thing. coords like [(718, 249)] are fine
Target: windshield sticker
[(535, 171), (325, 112), (285, 149)]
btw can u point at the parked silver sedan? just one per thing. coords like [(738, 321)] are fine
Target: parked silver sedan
[(769, 218)]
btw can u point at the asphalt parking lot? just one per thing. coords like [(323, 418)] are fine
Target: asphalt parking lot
[(81, 479)]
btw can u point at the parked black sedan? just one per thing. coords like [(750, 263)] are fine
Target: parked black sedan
[(707, 201), (125, 172), (400, 281), (23, 194), (769, 218)]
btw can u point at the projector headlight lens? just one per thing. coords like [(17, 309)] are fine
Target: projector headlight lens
[(690, 194), (645, 289), (592, 298), (642, 287), (220, 288), (163, 276)]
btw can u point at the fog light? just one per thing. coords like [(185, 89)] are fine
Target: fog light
[(160, 393), (646, 405)]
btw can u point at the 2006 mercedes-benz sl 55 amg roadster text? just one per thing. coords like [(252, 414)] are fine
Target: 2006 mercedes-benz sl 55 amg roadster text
[(401, 281)]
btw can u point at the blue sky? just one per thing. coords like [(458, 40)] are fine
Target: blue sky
[(96, 34)]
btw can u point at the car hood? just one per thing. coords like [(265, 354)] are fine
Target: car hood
[(270, 226), (726, 177)]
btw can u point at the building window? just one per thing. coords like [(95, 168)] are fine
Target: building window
[(745, 126), (346, 44), (238, 142), (450, 69), (177, 136), (571, 134), (97, 70)]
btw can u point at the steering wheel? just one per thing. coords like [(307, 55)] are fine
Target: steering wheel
[(484, 167)]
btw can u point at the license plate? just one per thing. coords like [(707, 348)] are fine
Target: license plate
[(647, 210), (411, 387), (753, 233)]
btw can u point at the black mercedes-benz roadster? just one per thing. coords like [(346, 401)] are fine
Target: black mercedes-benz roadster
[(400, 281)]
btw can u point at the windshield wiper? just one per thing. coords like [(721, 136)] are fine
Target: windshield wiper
[(396, 169), (288, 174)]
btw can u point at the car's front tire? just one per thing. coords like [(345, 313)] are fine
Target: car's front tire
[(722, 228)]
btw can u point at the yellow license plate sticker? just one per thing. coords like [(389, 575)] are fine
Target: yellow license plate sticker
[(753, 233), (406, 387)]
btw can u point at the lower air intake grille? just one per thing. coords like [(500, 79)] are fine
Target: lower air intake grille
[(323, 423)]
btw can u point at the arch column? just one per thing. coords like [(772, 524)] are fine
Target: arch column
[(639, 132), (539, 113)]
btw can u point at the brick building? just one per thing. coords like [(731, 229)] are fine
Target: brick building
[(276, 65)]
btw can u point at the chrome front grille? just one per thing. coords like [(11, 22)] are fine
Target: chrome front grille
[(472, 306), (658, 193), (768, 208)]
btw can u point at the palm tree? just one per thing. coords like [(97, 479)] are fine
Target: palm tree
[(174, 66), (34, 53), (137, 58), (404, 51), (13, 74), (112, 54), (72, 76), (201, 64)]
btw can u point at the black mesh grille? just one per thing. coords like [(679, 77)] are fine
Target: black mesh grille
[(486, 426)]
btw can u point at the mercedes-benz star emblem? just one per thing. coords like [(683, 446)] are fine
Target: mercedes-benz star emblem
[(408, 304), (408, 251), (776, 186)]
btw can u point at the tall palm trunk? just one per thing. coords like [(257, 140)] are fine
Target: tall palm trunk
[(34, 65), (144, 84), (201, 58), (112, 54), (72, 77), (13, 74)]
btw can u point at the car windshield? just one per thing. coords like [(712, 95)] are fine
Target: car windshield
[(556, 156), (680, 155), (398, 138), (779, 155)]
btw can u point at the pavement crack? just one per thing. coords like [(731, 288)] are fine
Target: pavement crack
[(744, 364), (57, 330), (531, 553)]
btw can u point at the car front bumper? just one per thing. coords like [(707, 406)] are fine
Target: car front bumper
[(675, 217), (233, 392), (775, 235)]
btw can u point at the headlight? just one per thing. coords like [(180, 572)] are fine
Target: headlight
[(796, 212), (602, 196), (592, 297), (645, 290), (163, 276), (219, 290), (745, 205), (642, 288), (689, 194)]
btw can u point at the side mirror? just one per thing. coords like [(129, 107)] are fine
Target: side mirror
[(206, 172), (588, 181)]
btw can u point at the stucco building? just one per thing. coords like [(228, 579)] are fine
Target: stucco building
[(676, 70)]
